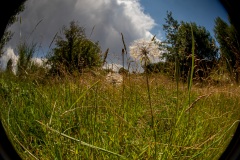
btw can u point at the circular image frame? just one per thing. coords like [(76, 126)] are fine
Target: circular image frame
[(11, 8)]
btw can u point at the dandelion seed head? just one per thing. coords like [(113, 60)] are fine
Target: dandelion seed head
[(144, 50), (114, 78)]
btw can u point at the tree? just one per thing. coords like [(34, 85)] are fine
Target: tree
[(178, 44), (75, 52), (159, 67), (171, 29), (25, 54), (205, 53), (228, 39), (9, 68), (123, 71)]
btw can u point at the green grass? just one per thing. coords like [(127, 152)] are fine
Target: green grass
[(86, 118)]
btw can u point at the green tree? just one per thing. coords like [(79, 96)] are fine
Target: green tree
[(9, 68), (228, 39), (159, 67), (178, 44), (171, 29), (25, 54), (123, 71), (74, 52), (205, 52)]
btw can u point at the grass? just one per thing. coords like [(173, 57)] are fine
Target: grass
[(87, 118)]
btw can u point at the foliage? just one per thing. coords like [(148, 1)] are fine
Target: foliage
[(9, 67), (229, 42), (8, 34), (15, 17), (75, 52), (178, 44), (25, 54), (159, 67), (171, 29), (6, 37), (123, 71)]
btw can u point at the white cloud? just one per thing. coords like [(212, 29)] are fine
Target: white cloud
[(113, 66), (9, 54), (39, 61), (109, 18)]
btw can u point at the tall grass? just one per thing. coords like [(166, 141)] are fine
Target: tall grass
[(147, 117), (83, 118)]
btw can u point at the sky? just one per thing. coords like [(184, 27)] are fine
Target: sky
[(135, 19), (203, 12)]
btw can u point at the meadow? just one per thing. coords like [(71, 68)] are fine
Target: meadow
[(144, 118)]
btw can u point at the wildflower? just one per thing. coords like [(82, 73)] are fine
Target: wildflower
[(144, 50), (114, 78)]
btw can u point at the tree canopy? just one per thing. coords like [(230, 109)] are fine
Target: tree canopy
[(74, 52), (25, 54), (228, 39), (178, 44)]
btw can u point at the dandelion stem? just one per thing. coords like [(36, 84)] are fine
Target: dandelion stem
[(152, 116)]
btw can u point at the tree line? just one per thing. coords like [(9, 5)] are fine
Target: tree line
[(74, 52), (207, 55)]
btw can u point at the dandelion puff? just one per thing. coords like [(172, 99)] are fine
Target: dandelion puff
[(114, 78), (144, 50)]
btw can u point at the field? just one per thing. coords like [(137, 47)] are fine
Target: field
[(146, 117)]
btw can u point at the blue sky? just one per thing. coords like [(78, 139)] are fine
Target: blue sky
[(203, 12)]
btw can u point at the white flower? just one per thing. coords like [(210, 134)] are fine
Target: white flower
[(144, 50), (114, 78)]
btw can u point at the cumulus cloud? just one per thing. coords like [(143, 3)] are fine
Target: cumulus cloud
[(112, 66), (41, 20), (9, 54)]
